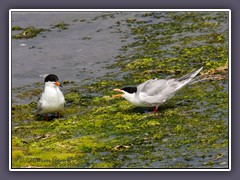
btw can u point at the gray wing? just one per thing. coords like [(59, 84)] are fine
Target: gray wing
[(167, 86), (159, 91), (141, 86), (190, 75), (155, 86)]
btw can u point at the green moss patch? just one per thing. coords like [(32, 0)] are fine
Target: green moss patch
[(27, 33), (61, 25)]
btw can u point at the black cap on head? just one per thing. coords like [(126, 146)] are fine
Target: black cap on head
[(130, 90), (51, 77)]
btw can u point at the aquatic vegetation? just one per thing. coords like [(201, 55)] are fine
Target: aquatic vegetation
[(96, 131), (16, 28), (29, 32), (61, 26), (86, 38)]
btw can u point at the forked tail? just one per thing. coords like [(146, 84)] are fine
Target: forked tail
[(190, 75)]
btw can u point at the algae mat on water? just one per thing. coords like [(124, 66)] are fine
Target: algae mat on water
[(189, 131)]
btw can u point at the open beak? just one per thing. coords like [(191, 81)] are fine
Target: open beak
[(57, 84), (118, 95)]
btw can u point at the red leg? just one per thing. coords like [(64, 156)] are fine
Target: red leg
[(155, 109), (46, 117), (58, 114)]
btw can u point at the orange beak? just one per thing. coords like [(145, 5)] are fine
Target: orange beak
[(117, 95), (57, 83)]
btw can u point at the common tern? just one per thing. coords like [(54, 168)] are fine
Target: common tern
[(52, 99), (154, 92)]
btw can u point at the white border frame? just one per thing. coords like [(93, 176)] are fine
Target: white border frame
[(112, 10)]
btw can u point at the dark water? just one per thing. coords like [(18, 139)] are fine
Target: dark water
[(81, 51)]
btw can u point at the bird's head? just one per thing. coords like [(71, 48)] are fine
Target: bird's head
[(52, 80)]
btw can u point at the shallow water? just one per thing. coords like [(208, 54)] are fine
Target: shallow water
[(81, 51)]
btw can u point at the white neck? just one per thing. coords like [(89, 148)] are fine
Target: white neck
[(50, 85), (132, 98)]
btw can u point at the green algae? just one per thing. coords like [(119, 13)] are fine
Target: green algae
[(86, 38), (29, 32), (96, 131), (61, 26), (16, 28), (32, 31)]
